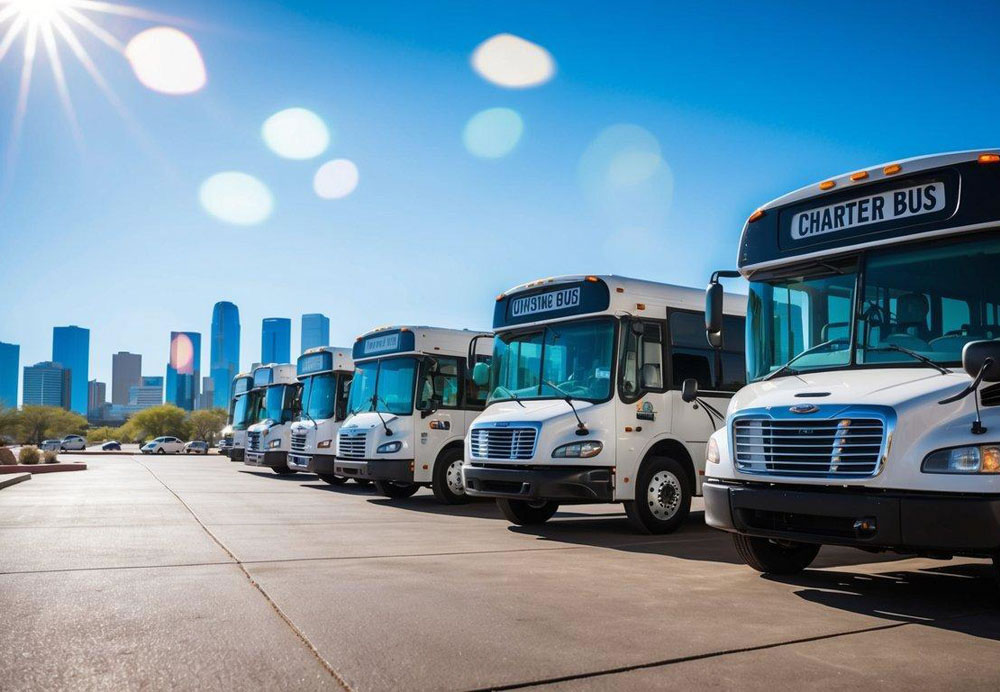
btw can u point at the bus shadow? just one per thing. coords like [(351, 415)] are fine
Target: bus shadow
[(960, 597), (349, 488), (294, 477), (483, 508)]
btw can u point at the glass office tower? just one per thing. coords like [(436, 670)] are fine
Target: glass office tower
[(276, 340), (184, 369), (225, 352), (71, 348), (315, 331), (10, 357)]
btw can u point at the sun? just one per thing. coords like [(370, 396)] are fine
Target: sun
[(40, 10)]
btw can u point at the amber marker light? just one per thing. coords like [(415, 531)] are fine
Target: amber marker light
[(860, 175), (991, 460), (756, 215), (892, 169), (592, 279), (827, 185), (989, 158), (500, 297)]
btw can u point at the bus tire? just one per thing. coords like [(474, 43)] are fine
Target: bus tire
[(772, 557), (396, 491), (331, 478), (283, 470), (363, 481), (525, 513), (663, 497), (447, 484)]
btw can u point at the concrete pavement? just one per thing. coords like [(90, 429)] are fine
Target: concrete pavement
[(194, 571)]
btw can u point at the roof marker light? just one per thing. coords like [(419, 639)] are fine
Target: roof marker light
[(500, 297), (989, 158), (592, 279), (619, 289), (756, 215), (892, 169), (860, 175), (827, 185), (640, 306)]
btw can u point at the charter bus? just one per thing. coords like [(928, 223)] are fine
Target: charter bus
[(244, 408), (410, 404), (325, 374), (269, 439), (871, 417), (585, 400)]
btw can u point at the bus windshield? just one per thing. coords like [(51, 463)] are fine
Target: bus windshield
[(558, 360), (384, 385), (915, 298), (243, 410), (280, 403), (319, 396)]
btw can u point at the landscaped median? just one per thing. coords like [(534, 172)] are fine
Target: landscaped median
[(31, 460)]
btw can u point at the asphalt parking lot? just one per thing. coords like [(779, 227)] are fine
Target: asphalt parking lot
[(182, 572)]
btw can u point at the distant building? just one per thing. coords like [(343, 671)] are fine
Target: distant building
[(276, 340), (97, 393), (126, 372), (315, 331), (149, 393), (10, 361), (71, 348), (184, 369), (48, 384), (206, 399), (225, 352)]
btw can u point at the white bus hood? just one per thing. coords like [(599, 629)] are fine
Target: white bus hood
[(538, 411)]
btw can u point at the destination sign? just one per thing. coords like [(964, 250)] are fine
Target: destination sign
[(315, 362), (381, 344), (242, 385), (545, 302), (882, 207), (262, 377)]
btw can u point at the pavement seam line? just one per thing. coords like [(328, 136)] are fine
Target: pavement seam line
[(274, 606)]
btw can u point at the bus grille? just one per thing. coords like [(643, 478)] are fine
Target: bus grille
[(832, 448), (299, 442), (253, 441), (351, 444), (503, 443)]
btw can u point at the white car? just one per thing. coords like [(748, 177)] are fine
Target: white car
[(51, 445), (72, 442), (163, 445)]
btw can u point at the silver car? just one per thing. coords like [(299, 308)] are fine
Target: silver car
[(72, 443)]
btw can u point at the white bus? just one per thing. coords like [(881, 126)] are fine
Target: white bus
[(409, 407), (585, 399), (244, 410), (325, 374), (873, 322), (269, 439)]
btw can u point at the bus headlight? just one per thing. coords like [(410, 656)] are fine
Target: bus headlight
[(972, 459), (578, 450), (274, 443), (325, 444), (389, 447), (712, 452)]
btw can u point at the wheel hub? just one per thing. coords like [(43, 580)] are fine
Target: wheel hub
[(453, 475), (663, 495)]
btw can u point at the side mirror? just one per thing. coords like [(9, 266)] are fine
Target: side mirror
[(689, 390), (713, 314), (974, 357), (481, 374), (426, 407)]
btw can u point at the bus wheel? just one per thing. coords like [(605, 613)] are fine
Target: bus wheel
[(775, 557), (447, 485), (662, 497), (525, 513), (332, 479), (283, 470), (363, 481), (395, 490)]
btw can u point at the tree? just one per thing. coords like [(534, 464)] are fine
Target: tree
[(157, 421), (205, 424), (101, 434), (36, 423), (9, 422)]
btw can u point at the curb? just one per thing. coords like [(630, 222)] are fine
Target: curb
[(14, 479), (41, 468)]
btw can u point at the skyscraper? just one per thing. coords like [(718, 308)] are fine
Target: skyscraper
[(126, 372), (276, 340), (97, 393), (71, 348), (225, 352), (184, 369), (10, 359), (315, 331), (149, 393), (48, 384)]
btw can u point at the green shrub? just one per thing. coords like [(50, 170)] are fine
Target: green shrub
[(7, 456), (28, 455), (50, 456)]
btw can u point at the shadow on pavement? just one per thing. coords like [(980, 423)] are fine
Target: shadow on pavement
[(484, 508), (296, 477), (956, 597), (350, 488)]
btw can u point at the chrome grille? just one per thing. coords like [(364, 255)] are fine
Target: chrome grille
[(298, 442), (503, 443), (253, 441), (351, 444), (829, 448)]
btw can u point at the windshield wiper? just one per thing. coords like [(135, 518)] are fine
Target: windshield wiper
[(922, 358), (375, 400), (581, 429), (784, 369), (512, 395)]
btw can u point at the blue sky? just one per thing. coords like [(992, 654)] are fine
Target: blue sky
[(744, 103)]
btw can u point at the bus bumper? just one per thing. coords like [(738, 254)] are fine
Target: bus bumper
[(236, 454), (399, 470), (300, 462), (904, 521), (563, 484), (270, 459)]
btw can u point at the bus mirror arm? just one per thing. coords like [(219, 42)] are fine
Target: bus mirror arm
[(714, 308), (470, 358)]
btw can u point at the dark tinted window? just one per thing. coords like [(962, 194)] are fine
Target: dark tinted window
[(691, 354)]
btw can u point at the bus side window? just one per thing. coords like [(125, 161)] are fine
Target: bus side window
[(475, 396), (642, 358), (690, 354), (441, 381)]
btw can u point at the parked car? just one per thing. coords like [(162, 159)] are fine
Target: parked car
[(111, 446), (72, 443), (196, 447), (163, 445), (51, 445)]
